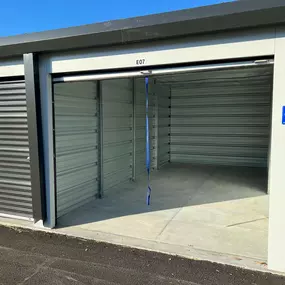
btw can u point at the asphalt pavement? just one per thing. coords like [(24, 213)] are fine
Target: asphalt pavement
[(32, 257)]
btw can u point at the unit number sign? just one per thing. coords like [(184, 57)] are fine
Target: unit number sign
[(140, 61)]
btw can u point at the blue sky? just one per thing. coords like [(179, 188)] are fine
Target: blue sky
[(26, 16)]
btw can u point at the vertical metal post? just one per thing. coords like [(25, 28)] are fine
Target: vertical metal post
[(32, 81), (100, 141), (48, 123), (134, 130)]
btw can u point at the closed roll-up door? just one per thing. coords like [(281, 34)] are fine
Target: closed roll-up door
[(76, 140), (222, 117), (15, 177)]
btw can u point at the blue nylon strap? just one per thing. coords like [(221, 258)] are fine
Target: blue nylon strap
[(147, 143)]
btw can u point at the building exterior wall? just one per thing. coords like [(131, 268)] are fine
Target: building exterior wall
[(276, 249)]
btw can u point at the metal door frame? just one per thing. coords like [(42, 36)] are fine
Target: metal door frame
[(48, 79)]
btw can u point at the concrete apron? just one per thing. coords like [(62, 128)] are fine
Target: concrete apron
[(191, 253)]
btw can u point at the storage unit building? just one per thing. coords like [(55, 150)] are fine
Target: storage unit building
[(73, 111)]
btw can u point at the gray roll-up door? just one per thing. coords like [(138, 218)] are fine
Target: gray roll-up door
[(221, 117), (15, 178), (76, 140)]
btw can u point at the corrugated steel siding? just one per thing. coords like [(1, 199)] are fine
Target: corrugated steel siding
[(76, 139), (15, 177), (117, 112), (221, 117), (140, 111), (163, 94)]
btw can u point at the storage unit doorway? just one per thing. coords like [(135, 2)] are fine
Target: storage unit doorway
[(209, 137)]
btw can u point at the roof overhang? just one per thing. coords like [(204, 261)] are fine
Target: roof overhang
[(208, 19)]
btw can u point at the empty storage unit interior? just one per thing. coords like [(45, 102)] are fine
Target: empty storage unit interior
[(209, 141)]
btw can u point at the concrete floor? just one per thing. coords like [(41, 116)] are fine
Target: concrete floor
[(194, 209)]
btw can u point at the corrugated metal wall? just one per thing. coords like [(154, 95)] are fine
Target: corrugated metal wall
[(117, 113), (163, 95), (76, 140), (15, 178), (77, 130), (140, 125), (221, 117)]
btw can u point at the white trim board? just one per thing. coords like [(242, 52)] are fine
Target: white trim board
[(12, 67), (226, 46)]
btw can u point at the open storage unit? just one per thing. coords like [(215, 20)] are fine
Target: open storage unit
[(213, 117), (209, 141), (73, 131)]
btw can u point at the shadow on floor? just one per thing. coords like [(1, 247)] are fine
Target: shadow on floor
[(173, 186)]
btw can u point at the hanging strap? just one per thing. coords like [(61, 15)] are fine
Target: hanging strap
[(147, 143)]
